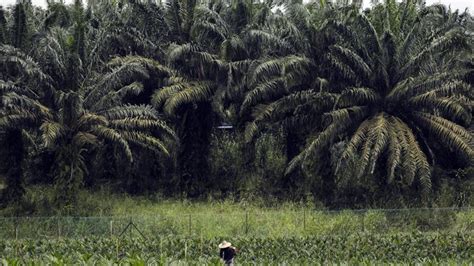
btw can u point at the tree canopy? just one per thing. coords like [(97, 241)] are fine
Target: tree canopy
[(353, 107)]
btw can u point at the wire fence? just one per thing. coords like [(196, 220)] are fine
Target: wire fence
[(265, 223)]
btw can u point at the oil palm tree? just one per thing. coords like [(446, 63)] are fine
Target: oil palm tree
[(209, 58), (20, 110), (386, 95), (283, 83), (80, 117), (76, 128), (397, 92)]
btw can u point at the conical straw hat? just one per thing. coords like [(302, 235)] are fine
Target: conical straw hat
[(224, 244)]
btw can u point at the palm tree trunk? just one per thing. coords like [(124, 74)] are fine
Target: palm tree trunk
[(292, 145), (15, 154), (195, 140)]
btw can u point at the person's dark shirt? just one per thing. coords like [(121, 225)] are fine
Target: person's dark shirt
[(227, 253)]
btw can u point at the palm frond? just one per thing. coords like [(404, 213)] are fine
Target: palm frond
[(209, 25), (266, 39), (289, 105), (141, 124), (88, 120), (351, 148), (265, 91), (114, 98), (444, 83), (82, 139), (450, 107), (345, 70), (119, 77), (9, 86), (453, 39), (373, 45), (19, 119), (173, 17), (349, 35), (28, 66), (322, 139), (50, 133), (280, 66), (454, 137), (149, 64), (187, 51), (394, 157), (12, 101), (347, 58), (126, 111), (357, 96), (162, 95), (423, 172), (194, 92), (380, 135), (233, 48), (146, 141), (343, 114), (113, 137)]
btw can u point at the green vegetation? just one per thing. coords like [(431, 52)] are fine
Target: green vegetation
[(452, 249), (320, 101), (253, 121), (109, 214)]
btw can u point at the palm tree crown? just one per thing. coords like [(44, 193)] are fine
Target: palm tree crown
[(397, 91)]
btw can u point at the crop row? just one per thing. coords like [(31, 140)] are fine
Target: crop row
[(409, 248)]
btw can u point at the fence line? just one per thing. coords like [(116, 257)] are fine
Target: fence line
[(403, 209), (262, 223), (324, 211)]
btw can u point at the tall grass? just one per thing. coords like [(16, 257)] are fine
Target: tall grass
[(108, 214)]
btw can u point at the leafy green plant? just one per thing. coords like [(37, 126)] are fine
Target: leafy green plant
[(337, 248)]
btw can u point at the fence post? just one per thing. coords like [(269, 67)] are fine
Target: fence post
[(185, 250), (201, 242), (16, 230), (161, 248), (117, 246), (111, 228), (246, 222), (304, 219), (189, 224), (59, 227)]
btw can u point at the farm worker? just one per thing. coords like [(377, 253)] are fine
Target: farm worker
[(227, 253)]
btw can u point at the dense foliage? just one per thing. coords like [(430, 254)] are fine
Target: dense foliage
[(274, 99), (359, 248)]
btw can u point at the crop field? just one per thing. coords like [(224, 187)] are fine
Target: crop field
[(362, 248), (146, 132), (182, 234)]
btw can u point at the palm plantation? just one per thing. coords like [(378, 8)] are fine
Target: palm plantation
[(342, 102)]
